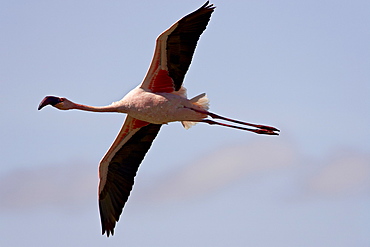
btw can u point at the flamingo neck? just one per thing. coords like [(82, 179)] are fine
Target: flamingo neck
[(109, 108)]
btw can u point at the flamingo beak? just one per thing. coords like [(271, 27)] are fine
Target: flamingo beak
[(49, 100)]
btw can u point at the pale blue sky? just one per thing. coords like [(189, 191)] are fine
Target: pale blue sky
[(302, 66)]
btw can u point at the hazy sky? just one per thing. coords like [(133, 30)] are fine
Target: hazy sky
[(302, 66)]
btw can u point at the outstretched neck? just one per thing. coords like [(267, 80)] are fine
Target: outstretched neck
[(66, 104), (109, 108)]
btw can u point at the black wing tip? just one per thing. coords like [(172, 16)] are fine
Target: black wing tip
[(107, 227), (107, 224), (208, 6), (108, 232)]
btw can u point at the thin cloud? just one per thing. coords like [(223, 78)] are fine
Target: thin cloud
[(75, 184), (47, 185), (345, 173), (224, 166)]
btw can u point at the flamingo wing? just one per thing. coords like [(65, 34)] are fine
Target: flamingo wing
[(174, 51), (172, 57), (118, 169)]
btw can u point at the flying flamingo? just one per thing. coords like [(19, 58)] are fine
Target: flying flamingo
[(158, 100)]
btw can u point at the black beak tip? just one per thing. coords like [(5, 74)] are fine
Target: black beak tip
[(49, 100)]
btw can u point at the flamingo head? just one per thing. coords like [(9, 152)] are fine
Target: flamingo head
[(57, 102)]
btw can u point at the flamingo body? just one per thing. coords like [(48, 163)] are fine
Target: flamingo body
[(158, 100), (159, 108)]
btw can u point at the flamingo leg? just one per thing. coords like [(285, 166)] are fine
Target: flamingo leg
[(213, 115), (257, 131), (260, 129)]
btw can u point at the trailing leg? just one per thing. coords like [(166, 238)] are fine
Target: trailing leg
[(257, 131), (213, 115)]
